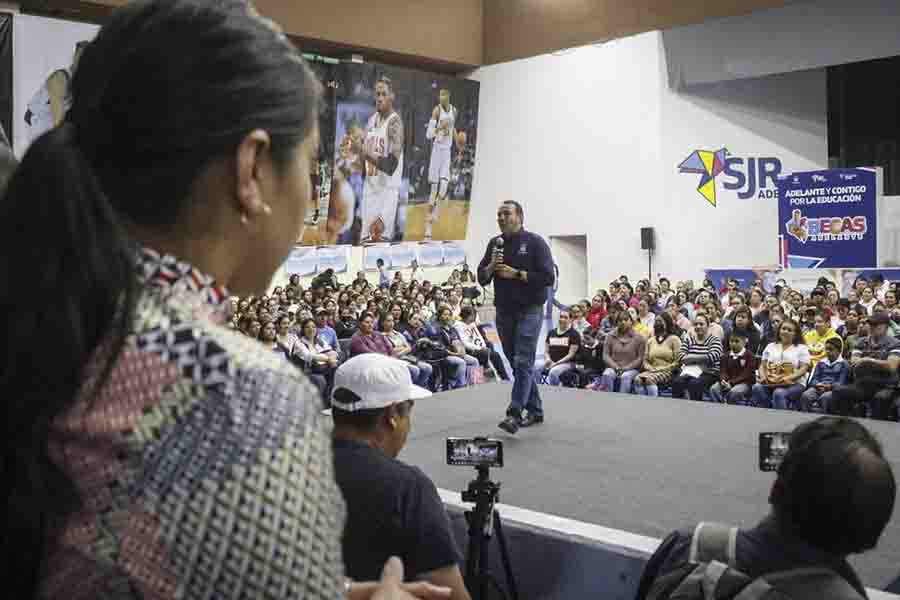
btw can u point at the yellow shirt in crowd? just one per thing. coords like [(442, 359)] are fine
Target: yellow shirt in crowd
[(642, 329), (816, 345)]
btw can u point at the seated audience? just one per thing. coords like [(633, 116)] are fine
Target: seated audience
[(366, 339), (326, 331), (874, 364), (742, 320), (856, 328), (700, 355), (598, 311), (457, 361), (839, 316), (830, 372), (771, 327), (268, 335), (833, 496), (783, 370), (645, 316), (638, 327), (419, 370), (560, 348), (815, 339), (476, 345), (868, 300), (660, 357), (755, 302), (737, 372), (317, 359), (286, 338), (579, 323), (623, 354), (393, 509), (346, 324)]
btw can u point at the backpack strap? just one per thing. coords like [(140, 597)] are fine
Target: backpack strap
[(714, 542), (810, 582)]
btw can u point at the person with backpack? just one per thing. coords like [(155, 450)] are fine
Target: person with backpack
[(833, 496)]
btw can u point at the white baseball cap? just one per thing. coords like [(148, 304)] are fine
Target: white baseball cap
[(377, 380)]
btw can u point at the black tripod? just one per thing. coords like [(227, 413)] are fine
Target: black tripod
[(482, 520)]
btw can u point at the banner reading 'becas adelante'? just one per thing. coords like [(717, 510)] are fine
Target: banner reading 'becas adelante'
[(828, 219)]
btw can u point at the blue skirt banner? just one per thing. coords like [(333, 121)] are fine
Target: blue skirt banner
[(430, 254), (454, 254), (333, 257), (828, 219), (403, 255), (301, 261), (371, 254)]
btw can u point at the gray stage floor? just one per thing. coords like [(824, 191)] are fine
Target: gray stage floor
[(644, 465)]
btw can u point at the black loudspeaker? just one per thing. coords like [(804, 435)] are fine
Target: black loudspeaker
[(647, 242)]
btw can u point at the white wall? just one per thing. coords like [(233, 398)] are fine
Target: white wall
[(795, 37), (575, 139), (590, 142), (570, 255)]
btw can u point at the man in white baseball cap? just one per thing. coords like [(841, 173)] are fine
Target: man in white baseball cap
[(393, 509)]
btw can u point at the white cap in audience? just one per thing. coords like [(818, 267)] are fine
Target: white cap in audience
[(377, 380)]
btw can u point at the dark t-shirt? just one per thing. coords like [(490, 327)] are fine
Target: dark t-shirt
[(560, 342), (393, 509), (761, 550)]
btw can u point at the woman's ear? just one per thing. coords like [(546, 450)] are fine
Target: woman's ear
[(252, 154)]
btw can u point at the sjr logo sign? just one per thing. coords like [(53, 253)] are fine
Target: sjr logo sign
[(751, 177)]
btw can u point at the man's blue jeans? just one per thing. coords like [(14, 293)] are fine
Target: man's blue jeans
[(519, 333)]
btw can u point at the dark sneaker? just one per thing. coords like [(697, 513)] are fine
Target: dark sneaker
[(509, 425), (530, 420)]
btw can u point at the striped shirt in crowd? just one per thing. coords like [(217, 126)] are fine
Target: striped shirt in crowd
[(711, 347)]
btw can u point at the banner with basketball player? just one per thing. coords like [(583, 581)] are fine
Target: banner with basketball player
[(404, 155), (828, 219), (45, 55)]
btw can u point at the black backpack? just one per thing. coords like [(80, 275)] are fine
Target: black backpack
[(711, 574)]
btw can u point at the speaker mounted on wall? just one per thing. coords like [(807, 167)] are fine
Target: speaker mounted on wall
[(648, 241)]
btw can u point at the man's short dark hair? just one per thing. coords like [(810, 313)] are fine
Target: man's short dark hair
[(834, 489), (517, 206), (363, 420), (737, 333), (379, 262), (465, 312), (835, 343)]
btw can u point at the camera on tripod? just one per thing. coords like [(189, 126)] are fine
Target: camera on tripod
[(483, 520), (474, 452)]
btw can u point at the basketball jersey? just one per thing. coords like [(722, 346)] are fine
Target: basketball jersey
[(448, 118), (378, 144), (40, 109)]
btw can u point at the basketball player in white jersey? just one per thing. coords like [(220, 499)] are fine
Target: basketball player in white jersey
[(48, 107), (382, 152), (442, 130)]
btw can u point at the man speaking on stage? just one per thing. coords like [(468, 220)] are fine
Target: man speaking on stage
[(521, 266)]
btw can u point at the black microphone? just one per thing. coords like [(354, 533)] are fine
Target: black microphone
[(498, 246)]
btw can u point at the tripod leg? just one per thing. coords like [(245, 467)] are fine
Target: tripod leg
[(504, 555), (472, 558)]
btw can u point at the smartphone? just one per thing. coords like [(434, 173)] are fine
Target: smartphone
[(474, 452), (772, 448)]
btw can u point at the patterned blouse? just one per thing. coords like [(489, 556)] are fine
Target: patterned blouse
[(204, 463)]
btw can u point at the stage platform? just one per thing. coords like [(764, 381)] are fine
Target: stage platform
[(644, 466)]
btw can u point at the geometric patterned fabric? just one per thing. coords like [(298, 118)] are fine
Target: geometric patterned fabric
[(204, 463)]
